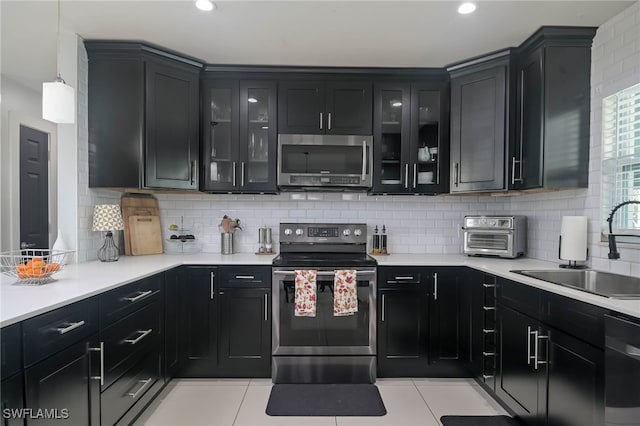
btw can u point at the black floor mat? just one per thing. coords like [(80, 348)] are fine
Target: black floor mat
[(325, 400), (478, 421)]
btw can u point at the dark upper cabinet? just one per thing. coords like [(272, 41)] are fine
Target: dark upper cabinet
[(171, 128), (324, 107), (482, 122), (143, 117), (411, 136), (553, 72), (240, 136)]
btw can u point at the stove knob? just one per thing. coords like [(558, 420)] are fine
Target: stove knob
[(357, 232), (346, 232), (288, 231), (299, 232)]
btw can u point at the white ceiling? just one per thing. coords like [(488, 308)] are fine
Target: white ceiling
[(321, 33)]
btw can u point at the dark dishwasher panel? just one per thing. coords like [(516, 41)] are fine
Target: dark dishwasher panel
[(622, 372)]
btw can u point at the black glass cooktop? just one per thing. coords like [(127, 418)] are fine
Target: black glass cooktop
[(342, 260)]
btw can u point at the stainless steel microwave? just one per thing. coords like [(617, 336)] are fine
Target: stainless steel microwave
[(321, 162)]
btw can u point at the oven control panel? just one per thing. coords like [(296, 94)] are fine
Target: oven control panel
[(318, 233)]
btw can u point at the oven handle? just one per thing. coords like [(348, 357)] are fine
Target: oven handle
[(326, 273)]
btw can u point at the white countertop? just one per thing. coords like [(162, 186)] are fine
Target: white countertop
[(79, 281)]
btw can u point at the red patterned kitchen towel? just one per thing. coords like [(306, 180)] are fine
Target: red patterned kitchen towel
[(305, 299), (345, 293)]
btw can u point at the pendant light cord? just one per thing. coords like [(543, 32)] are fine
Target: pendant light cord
[(59, 77)]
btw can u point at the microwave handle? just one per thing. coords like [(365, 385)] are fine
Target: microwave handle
[(364, 160)]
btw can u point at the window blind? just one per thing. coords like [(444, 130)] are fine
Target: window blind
[(621, 159)]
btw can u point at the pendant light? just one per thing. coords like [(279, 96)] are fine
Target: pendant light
[(58, 98)]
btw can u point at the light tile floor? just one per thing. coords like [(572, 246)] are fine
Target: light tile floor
[(242, 402)]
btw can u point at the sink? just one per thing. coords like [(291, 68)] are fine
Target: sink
[(601, 283)]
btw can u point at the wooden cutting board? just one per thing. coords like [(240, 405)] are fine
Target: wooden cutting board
[(145, 235), (136, 205)]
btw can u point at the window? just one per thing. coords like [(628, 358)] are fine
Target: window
[(621, 160)]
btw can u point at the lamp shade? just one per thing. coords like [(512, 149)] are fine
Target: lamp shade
[(107, 217), (58, 102)]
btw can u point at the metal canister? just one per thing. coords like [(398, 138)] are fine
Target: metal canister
[(226, 243)]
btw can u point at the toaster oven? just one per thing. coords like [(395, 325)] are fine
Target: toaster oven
[(501, 236)]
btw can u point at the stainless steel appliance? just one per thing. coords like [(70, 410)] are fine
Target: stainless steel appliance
[(622, 371), (502, 236), (324, 348), (325, 162)]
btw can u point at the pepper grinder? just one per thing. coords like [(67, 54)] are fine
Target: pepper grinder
[(376, 241), (383, 240)]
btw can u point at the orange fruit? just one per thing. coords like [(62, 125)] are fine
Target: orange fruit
[(52, 267)]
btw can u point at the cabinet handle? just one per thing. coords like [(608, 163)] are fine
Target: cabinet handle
[(538, 337), (488, 285), (194, 171), (406, 175), (415, 174), (364, 160), (233, 172), (529, 357), (488, 353), (329, 121), (320, 121), (212, 279), (488, 330), (145, 383), (435, 286), (489, 308), (513, 171), (487, 376), (382, 319), (141, 295), (245, 277), (101, 350), (68, 328), (455, 174), (404, 278), (242, 174), (266, 306), (144, 333)]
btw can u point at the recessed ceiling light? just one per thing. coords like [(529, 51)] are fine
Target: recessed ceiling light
[(206, 5), (396, 104), (252, 100), (466, 8)]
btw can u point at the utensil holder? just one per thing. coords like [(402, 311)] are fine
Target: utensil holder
[(226, 243)]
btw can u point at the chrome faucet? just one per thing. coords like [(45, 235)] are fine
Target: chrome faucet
[(613, 250)]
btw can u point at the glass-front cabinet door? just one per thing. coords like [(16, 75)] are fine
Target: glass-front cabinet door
[(240, 136), (258, 136), (391, 138), (429, 139), (221, 153)]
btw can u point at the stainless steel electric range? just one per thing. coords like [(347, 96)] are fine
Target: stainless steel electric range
[(324, 348)]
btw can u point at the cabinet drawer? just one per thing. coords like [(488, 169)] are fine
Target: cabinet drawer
[(394, 277), (11, 356), (54, 331), (245, 276), (520, 297), (126, 341), (122, 301), (127, 390), (578, 319)]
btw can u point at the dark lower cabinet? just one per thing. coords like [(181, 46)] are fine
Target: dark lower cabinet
[(11, 399), (546, 376), (225, 321), (65, 383), (244, 344), (198, 340)]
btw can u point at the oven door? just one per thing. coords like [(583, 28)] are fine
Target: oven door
[(324, 334), (494, 242), (325, 161)]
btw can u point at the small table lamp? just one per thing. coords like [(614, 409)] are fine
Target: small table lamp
[(107, 218)]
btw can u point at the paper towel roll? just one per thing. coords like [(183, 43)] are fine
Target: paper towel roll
[(573, 233)]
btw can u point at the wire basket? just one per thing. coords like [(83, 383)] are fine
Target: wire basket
[(33, 266)]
